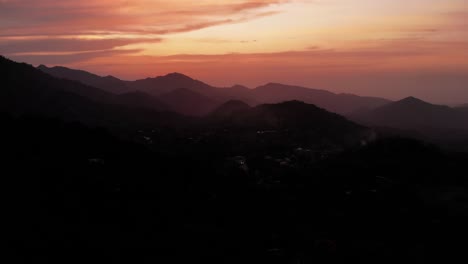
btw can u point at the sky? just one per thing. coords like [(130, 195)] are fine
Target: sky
[(386, 48)]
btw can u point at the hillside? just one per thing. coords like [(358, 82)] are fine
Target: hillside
[(28, 91), (108, 83), (188, 102), (269, 93)]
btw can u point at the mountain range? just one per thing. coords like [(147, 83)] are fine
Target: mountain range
[(413, 114), (79, 95), (29, 91), (269, 93), (295, 120)]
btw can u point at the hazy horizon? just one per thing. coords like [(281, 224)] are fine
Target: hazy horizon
[(396, 98), (389, 49)]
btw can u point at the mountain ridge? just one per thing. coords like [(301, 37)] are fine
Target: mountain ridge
[(268, 93), (108, 83), (414, 114), (28, 91)]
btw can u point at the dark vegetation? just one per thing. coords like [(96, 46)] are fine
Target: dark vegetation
[(92, 180)]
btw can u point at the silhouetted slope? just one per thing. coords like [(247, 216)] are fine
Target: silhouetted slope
[(168, 83), (414, 114), (464, 105), (162, 85), (27, 90), (229, 108), (462, 110), (290, 123), (270, 184), (237, 92), (188, 102), (338, 103), (270, 93), (298, 114), (108, 83), (109, 90), (141, 99)]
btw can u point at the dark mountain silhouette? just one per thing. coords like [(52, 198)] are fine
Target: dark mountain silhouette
[(270, 93), (275, 183), (414, 114), (168, 83), (161, 85), (294, 114), (229, 108), (237, 92), (108, 89), (239, 87), (27, 90), (338, 103), (291, 121), (141, 99), (188, 102), (108, 83)]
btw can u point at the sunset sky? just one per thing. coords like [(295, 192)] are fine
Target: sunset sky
[(388, 48)]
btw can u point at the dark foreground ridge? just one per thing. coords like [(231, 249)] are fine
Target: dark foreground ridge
[(90, 178)]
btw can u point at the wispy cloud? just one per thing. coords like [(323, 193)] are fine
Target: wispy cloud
[(63, 58), (65, 44), (66, 26), (163, 17)]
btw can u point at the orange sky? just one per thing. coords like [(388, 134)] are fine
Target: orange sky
[(389, 48)]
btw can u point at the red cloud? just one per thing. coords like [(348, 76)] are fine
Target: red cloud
[(52, 17)]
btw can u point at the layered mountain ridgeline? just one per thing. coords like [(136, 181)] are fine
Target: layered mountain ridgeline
[(463, 108), (290, 114), (415, 118), (229, 109), (270, 183), (270, 93), (286, 125), (108, 83), (283, 127), (28, 91), (338, 103), (236, 129), (414, 114), (188, 102)]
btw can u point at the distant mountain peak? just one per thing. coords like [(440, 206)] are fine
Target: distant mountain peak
[(293, 103), (417, 115), (239, 86), (173, 77), (413, 101), (110, 77), (230, 107), (108, 83), (238, 104), (274, 84), (235, 102), (176, 75)]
